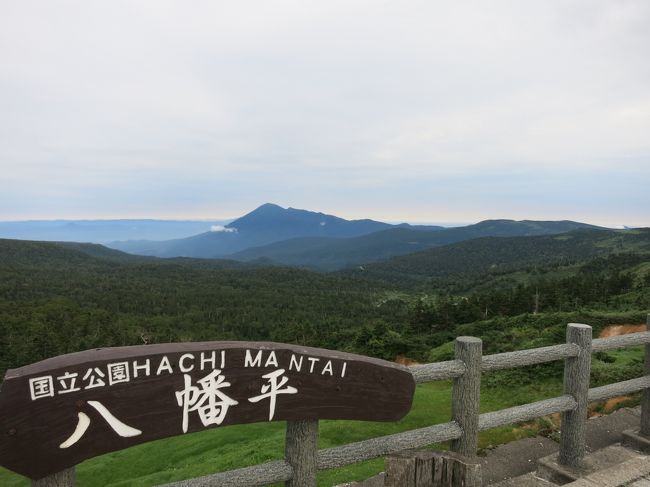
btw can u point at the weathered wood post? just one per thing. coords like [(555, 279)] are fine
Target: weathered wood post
[(576, 383), (65, 478), (301, 451), (466, 395), (645, 398)]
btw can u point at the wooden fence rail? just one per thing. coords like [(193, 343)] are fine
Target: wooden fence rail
[(303, 459)]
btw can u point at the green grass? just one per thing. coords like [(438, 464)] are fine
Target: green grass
[(231, 447), (616, 366)]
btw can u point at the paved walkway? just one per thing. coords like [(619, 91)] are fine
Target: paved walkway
[(520, 457), (644, 482)]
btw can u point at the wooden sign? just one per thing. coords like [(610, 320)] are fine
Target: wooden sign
[(56, 413)]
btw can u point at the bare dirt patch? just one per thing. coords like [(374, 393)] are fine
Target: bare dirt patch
[(602, 408), (616, 330), (402, 360)]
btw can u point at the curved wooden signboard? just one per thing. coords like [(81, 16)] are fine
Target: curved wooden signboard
[(56, 413)]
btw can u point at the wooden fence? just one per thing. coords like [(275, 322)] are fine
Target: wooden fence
[(303, 460)]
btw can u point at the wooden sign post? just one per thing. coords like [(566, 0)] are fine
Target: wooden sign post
[(56, 413)]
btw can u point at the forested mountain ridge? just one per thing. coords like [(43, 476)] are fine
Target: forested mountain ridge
[(469, 259), (27, 254), (336, 253), (34, 254), (57, 298), (267, 224), (304, 238), (327, 254)]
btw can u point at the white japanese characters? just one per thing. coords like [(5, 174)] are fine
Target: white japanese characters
[(212, 404), (94, 378), (272, 389), (127, 371), (68, 382), (208, 397), (41, 387), (118, 426), (207, 400), (118, 372)]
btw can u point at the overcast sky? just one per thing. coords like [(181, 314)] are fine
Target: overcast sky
[(396, 110)]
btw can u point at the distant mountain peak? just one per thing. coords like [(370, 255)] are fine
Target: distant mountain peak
[(264, 225), (266, 208), (274, 217), (269, 206)]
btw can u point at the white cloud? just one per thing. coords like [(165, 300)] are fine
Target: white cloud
[(221, 228)]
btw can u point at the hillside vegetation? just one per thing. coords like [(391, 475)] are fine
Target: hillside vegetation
[(337, 253), (463, 262), (59, 298), (55, 298)]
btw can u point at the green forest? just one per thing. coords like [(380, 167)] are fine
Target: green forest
[(59, 298)]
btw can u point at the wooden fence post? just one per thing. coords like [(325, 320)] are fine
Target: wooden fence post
[(431, 469), (301, 452), (576, 383), (645, 398), (466, 395), (64, 478)]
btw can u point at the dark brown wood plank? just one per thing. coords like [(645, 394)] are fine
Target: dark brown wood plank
[(59, 412)]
